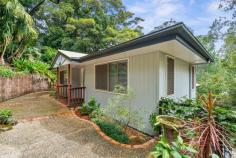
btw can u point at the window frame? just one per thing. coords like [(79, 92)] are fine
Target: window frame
[(65, 75), (171, 57), (193, 76), (108, 62)]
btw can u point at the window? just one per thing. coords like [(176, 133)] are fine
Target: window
[(193, 77), (109, 75), (101, 77), (170, 76), (63, 77)]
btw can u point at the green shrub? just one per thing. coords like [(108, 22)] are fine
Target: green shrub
[(5, 116), (184, 108), (6, 72), (34, 67), (97, 114), (89, 107), (113, 131)]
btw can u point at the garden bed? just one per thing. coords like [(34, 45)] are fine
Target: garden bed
[(129, 138)]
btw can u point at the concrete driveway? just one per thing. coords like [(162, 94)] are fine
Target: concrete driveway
[(61, 136)]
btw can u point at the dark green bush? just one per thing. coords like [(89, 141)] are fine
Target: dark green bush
[(113, 131), (5, 116), (184, 108)]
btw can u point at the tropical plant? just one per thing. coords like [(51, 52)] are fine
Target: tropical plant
[(6, 72), (191, 111), (34, 67), (5, 116), (31, 53), (177, 149), (89, 107), (211, 137), (16, 29), (152, 121)]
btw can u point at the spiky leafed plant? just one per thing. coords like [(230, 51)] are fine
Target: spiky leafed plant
[(212, 138)]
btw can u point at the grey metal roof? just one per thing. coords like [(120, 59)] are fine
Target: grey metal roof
[(72, 55)]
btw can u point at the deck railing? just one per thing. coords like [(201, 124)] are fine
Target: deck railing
[(73, 96), (77, 95), (62, 91)]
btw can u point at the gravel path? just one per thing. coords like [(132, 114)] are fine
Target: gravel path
[(59, 137)]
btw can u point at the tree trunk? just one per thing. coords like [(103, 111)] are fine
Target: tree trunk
[(2, 61), (17, 51)]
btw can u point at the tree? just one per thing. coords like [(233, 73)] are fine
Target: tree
[(85, 25), (16, 29), (32, 6), (168, 23), (219, 77), (47, 54), (165, 24), (223, 26)]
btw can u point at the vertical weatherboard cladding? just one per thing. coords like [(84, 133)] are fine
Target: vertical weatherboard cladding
[(142, 79)]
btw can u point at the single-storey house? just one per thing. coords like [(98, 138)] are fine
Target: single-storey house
[(159, 64)]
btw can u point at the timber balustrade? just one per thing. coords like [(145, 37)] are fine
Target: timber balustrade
[(75, 95)]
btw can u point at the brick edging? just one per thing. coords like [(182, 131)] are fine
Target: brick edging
[(114, 142)]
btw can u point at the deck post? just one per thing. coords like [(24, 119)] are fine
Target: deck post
[(57, 83), (69, 86)]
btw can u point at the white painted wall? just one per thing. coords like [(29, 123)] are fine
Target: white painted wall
[(147, 77), (182, 78)]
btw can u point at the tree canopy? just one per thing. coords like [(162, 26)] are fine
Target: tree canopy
[(78, 25), (85, 25)]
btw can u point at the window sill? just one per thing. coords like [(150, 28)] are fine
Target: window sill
[(104, 91)]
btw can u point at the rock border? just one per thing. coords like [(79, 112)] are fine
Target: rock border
[(145, 145)]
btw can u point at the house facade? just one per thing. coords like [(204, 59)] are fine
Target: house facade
[(159, 64)]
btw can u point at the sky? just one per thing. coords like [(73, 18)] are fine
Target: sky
[(196, 14)]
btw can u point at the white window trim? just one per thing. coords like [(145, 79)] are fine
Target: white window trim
[(166, 75), (107, 62), (193, 81)]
